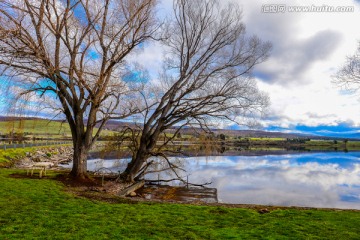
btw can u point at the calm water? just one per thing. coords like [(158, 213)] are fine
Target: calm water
[(328, 179)]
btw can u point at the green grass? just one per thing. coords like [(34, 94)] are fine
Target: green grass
[(9, 156), (35, 126), (40, 209), (40, 127), (267, 139)]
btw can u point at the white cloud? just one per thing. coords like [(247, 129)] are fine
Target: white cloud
[(150, 57), (308, 48)]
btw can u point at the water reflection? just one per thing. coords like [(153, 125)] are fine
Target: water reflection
[(314, 180), (327, 179)]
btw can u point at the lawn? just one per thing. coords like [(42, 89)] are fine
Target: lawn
[(41, 209)]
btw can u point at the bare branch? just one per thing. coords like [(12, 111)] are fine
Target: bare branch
[(73, 53), (206, 76)]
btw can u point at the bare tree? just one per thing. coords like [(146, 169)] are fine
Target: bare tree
[(206, 77), (72, 53), (348, 76)]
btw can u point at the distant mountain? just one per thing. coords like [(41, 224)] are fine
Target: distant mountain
[(6, 118), (341, 135), (255, 133), (114, 125)]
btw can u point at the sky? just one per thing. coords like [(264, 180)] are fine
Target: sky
[(308, 49)]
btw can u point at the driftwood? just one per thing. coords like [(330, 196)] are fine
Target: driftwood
[(131, 188), (63, 161), (203, 185)]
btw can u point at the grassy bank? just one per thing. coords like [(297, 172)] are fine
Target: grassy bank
[(41, 209), (9, 157)]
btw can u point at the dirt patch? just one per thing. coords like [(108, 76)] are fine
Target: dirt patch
[(92, 184), (69, 181)]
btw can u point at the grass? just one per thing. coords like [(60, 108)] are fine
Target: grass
[(266, 139), (41, 209), (40, 127), (35, 126), (9, 156)]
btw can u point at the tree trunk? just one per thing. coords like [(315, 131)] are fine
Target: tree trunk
[(134, 167), (82, 142), (79, 169), (147, 144)]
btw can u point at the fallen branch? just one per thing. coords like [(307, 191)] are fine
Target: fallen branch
[(177, 179), (131, 189)]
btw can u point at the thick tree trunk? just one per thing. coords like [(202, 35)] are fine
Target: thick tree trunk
[(82, 145), (133, 168), (79, 169), (82, 141), (147, 144)]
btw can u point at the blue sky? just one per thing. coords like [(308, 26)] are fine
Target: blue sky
[(308, 48)]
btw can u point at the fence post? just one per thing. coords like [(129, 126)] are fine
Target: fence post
[(187, 181)]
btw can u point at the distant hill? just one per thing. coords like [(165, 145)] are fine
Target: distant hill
[(40, 125), (256, 134), (118, 125), (6, 118), (114, 125)]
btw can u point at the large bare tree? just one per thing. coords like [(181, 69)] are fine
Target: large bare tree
[(206, 77), (72, 52), (348, 76)]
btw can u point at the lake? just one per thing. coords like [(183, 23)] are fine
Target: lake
[(321, 179)]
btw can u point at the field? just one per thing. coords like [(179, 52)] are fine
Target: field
[(42, 209), (35, 126), (39, 128)]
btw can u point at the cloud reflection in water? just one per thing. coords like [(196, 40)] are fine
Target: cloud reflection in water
[(327, 179), (313, 180)]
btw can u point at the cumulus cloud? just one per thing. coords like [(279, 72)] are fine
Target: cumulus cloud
[(307, 50), (290, 64), (150, 57), (293, 54)]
